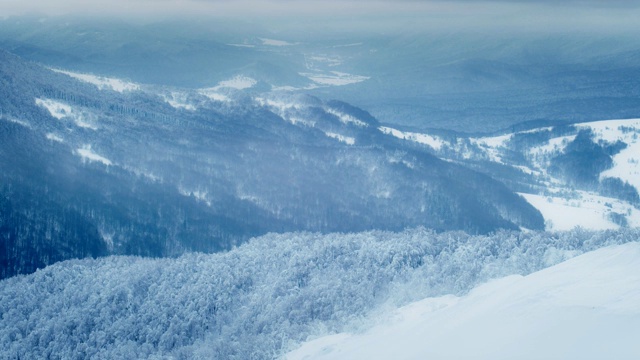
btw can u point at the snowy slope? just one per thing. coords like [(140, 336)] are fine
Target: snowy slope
[(585, 308), (627, 162), (531, 154), (588, 211)]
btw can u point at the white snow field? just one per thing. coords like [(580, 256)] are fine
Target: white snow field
[(587, 307), (589, 211)]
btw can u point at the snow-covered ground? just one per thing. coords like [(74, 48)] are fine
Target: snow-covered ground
[(426, 139), (86, 153), (279, 107), (57, 109), (179, 100), (345, 118), (585, 308), (345, 139), (101, 82), (60, 111), (588, 211), (626, 164)]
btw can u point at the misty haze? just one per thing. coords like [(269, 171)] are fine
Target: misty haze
[(281, 179)]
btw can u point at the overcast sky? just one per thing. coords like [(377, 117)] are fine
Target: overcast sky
[(581, 14)]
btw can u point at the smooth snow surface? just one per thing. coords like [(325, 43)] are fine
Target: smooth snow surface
[(584, 308), (588, 211), (103, 83)]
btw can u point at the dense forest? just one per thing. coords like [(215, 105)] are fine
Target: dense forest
[(91, 172), (262, 298)]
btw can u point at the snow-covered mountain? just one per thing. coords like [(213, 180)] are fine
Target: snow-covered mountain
[(585, 174), (459, 80), (152, 170), (186, 189), (584, 308)]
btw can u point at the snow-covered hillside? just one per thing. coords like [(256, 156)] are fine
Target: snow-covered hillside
[(585, 308), (586, 174), (268, 296)]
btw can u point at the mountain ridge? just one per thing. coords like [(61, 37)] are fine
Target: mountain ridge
[(235, 165)]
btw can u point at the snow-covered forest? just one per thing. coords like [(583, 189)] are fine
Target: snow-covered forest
[(316, 180), (262, 298)]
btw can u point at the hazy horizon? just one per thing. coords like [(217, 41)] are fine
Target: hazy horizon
[(380, 15)]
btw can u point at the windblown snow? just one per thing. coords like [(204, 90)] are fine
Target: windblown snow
[(585, 308)]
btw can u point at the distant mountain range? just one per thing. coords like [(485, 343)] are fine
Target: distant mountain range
[(95, 166), (460, 80)]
